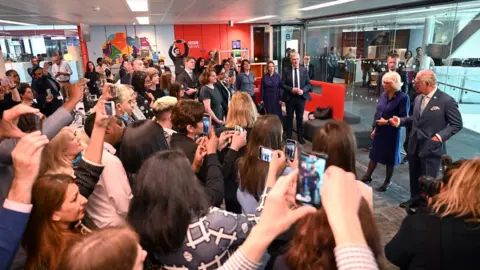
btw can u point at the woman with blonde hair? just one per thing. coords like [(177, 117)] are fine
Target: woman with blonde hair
[(387, 139), (241, 112), (114, 248), (154, 92), (447, 236)]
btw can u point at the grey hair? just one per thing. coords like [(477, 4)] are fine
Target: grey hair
[(429, 78), (397, 80)]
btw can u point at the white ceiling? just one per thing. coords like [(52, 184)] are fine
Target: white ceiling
[(117, 12)]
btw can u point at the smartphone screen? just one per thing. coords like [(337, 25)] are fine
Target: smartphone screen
[(38, 122), (206, 125), (110, 108), (290, 147), (239, 128), (310, 178), (265, 154), (113, 91)]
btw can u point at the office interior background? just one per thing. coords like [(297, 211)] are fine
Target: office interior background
[(448, 31)]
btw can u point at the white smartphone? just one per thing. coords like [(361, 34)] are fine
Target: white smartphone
[(110, 108)]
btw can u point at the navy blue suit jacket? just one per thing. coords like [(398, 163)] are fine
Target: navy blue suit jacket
[(287, 84), (12, 226), (441, 116)]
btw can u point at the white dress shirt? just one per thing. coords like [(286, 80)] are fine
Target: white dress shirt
[(108, 204), (63, 67), (298, 77)]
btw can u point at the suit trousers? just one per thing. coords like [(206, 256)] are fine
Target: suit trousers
[(421, 167), (295, 104)]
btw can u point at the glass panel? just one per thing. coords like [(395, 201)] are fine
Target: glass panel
[(285, 37), (443, 38)]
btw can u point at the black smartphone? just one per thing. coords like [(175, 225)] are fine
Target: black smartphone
[(310, 178), (178, 41), (38, 122), (265, 154), (290, 148), (206, 124)]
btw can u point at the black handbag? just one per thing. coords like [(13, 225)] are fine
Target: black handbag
[(321, 113)]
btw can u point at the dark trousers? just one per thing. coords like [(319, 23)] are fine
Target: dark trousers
[(421, 167), (295, 105), (331, 73)]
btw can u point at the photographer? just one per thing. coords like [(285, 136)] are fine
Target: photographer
[(447, 236)]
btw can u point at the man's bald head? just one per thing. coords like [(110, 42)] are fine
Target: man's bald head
[(425, 81)]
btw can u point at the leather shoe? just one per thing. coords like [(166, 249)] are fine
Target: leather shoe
[(384, 187), (301, 140), (366, 179), (410, 203)]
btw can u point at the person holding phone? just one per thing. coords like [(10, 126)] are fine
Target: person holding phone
[(176, 56), (46, 88)]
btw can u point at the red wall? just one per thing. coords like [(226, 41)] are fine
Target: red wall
[(213, 36)]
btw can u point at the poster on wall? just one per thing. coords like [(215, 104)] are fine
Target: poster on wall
[(119, 44)]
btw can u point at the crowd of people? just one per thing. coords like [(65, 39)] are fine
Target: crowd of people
[(146, 185)]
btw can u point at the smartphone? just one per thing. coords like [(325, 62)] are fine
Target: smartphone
[(238, 128), (290, 148), (38, 122), (206, 124), (265, 154), (110, 108), (49, 92), (310, 178), (112, 90), (178, 41)]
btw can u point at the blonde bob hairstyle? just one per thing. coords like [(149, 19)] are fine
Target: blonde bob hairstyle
[(461, 196), (107, 248), (396, 79), (54, 160), (241, 111), (123, 92)]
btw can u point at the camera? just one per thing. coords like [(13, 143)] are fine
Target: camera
[(429, 186)]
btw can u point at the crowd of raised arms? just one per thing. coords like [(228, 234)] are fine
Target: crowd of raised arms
[(180, 170)]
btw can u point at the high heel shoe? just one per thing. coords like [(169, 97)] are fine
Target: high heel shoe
[(386, 185), (366, 179)]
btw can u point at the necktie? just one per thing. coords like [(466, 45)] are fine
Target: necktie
[(424, 104), (295, 79)]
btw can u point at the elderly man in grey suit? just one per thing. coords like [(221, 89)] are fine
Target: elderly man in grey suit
[(435, 120)]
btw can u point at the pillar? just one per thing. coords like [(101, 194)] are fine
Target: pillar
[(428, 32)]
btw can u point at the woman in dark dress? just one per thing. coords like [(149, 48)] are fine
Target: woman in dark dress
[(387, 139), (94, 77), (270, 91)]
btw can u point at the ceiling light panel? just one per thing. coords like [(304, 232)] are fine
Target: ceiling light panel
[(328, 4), (143, 20), (258, 19), (14, 22), (138, 5)]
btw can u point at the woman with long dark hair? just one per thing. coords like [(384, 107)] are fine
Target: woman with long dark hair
[(94, 78), (252, 172), (171, 217), (141, 82), (199, 67)]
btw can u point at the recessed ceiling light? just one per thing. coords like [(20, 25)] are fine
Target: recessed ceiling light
[(138, 5), (143, 20), (328, 4), (13, 22), (258, 19)]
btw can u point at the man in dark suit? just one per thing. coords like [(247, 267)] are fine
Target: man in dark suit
[(309, 67), (137, 65), (435, 119), (392, 65), (187, 79), (296, 91)]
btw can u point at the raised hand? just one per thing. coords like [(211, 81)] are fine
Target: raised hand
[(8, 125), (239, 140)]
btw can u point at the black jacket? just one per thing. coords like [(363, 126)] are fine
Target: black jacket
[(226, 96), (210, 174), (178, 60), (311, 70), (287, 84), (184, 79), (40, 86), (426, 241)]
